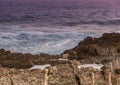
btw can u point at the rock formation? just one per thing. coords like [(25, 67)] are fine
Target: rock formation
[(105, 46), (15, 67)]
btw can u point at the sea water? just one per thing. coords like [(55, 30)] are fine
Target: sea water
[(54, 26)]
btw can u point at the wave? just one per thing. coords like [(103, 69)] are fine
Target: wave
[(110, 22), (40, 42)]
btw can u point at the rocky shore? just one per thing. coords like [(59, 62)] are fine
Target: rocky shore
[(94, 61)]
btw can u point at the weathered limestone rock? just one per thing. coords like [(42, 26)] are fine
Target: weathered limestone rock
[(61, 74), (5, 80), (65, 56), (18, 77)]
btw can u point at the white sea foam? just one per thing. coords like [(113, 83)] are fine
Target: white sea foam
[(95, 66), (49, 40), (61, 59), (117, 31), (41, 67), (37, 42)]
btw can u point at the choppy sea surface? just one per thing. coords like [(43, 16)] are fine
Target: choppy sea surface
[(39, 28)]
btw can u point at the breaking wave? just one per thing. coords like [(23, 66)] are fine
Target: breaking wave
[(40, 42)]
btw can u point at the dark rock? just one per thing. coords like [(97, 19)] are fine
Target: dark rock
[(106, 45), (2, 51), (117, 71)]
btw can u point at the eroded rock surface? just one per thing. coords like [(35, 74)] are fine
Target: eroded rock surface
[(62, 74), (64, 69)]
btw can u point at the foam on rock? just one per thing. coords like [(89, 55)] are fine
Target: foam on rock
[(95, 66), (41, 67)]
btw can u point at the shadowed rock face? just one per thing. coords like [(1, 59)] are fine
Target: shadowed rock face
[(24, 61), (106, 45)]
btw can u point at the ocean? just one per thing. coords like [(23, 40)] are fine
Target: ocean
[(52, 27)]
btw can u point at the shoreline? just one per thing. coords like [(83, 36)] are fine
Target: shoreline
[(92, 61), (89, 48)]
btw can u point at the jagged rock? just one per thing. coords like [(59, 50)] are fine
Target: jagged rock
[(88, 40), (106, 45), (61, 74), (18, 77), (91, 50), (65, 56)]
